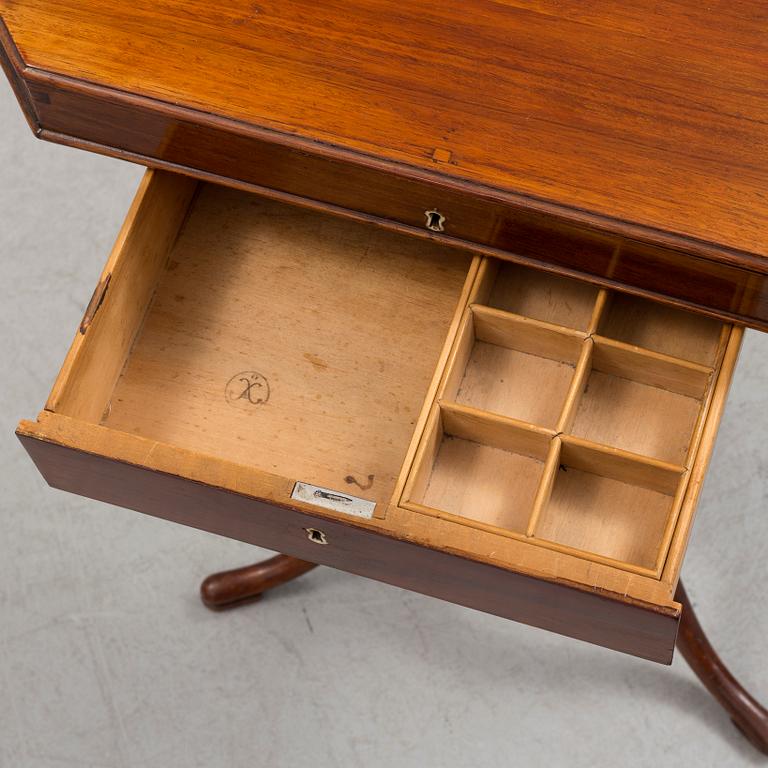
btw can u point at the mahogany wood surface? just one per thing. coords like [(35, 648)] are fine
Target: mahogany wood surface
[(229, 589), (748, 715), (627, 625), (626, 143), (650, 112)]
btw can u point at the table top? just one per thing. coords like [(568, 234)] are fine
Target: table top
[(650, 112)]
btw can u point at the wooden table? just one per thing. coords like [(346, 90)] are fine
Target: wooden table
[(367, 219)]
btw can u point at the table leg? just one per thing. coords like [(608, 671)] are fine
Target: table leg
[(747, 714), (230, 589)]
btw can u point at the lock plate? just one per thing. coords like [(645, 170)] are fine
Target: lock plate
[(338, 501)]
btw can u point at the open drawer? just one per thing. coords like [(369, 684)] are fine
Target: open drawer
[(503, 438)]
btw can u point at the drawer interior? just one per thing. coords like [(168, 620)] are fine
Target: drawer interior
[(285, 340), (487, 408)]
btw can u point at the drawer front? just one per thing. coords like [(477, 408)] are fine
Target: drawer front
[(611, 252), (640, 630)]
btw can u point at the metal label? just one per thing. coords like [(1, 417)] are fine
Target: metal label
[(335, 500)]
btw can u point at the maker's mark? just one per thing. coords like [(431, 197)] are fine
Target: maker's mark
[(247, 389)]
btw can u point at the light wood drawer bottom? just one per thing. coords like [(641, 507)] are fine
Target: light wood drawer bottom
[(534, 446)]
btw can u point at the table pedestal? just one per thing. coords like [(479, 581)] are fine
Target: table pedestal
[(230, 589)]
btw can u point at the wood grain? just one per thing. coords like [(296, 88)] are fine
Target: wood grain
[(229, 589), (626, 414), (432, 531), (605, 516), (483, 483), (616, 464), (579, 380), (527, 334), (650, 368), (98, 353), (701, 455), (747, 714), (600, 130), (499, 431), (515, 366), (401, 82), (662, 329), (343, 323), (543, 296), (515, 384)]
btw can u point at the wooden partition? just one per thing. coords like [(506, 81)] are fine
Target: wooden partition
[(569, 417)]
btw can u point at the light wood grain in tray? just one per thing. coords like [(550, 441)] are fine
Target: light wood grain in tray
[(343, 321)]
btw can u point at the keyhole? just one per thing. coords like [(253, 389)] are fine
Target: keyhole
[(435, 221), (316, 536)]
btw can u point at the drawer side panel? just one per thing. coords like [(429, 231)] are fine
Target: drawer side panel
[(557, 607)]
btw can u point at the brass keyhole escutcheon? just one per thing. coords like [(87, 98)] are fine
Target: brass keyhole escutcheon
[(435, 221), (316, 536)]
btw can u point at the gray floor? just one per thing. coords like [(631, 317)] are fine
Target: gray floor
[(108, 659)]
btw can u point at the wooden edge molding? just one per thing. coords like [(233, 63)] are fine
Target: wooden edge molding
[(715, 407)]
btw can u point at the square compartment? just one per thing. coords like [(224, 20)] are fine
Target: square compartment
[(639, 403), (480, 467), (541, 295), (606, 517), (661, 328), (609, 506), (513, 367)]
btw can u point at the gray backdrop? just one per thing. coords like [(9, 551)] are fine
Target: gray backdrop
[(108, 659)]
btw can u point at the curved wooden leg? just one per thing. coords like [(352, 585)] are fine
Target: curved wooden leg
[(747, 714), (230, 589)]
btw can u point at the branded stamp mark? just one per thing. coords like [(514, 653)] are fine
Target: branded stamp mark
[(247, 389)]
